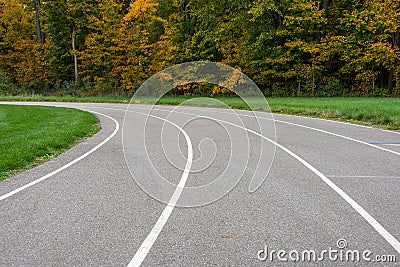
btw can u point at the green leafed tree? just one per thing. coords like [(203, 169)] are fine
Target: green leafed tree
[(66, 25), (23, 59), (363, 44), (102, 52)]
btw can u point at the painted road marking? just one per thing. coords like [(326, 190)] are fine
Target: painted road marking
[(310, 128), (168, 210), (359, 209), (154, 233), (162, 220), (354, 176), (384, 143), (69, 164), (284, 122)]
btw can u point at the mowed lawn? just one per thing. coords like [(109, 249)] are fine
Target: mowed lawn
[(32, 134), (382, 112)]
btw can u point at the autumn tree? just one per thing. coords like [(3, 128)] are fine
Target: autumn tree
[(363, 43), (288, 47), (22, 58), (103, 50), (66, 24), (136, 42), (39, 30)]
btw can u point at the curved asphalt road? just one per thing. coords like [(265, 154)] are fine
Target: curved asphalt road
[(92, 213)]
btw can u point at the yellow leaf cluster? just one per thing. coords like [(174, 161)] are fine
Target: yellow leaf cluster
[(140, 9)]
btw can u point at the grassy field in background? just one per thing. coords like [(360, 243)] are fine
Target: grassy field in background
[(94, 99), (381, 112), (32, 134)]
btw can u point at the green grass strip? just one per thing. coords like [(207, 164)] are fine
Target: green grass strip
[(32, 134), (379, 112)]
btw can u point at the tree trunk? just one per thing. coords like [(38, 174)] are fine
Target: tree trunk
[(317, 34), (313, 84), (320, 30), (396, 44), (325, 7), (390, 81), (397, 34), (40, 35), (381, 85), (75, 55), (299, 89)]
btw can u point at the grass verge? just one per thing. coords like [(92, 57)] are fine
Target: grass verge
[(91, 99), (32, 134), (380, 112)]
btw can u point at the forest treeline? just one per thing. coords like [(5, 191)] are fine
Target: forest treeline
[(288, 47)]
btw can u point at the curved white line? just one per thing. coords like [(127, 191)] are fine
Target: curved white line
[(148, 243), (299, 125), (69, 164), (339, 135), (321, 119), (314, 129), (340, 122), (330, 133), (360, 210)]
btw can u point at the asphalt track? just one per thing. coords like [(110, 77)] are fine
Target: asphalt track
[(329, 181)]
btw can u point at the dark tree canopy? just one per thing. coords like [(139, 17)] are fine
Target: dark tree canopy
[(288, 47)]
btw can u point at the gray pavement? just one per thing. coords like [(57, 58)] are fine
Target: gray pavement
[(94, 213)]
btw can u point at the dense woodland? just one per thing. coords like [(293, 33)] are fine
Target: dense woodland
[(288, 47)]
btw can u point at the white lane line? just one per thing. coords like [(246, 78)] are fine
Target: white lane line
[(339, 135), (295, 116), (294, 124), (359, 209), (341, 122), (390, 144), (67, 165), (148, 243), (334, 121), (154, 233), (310, 128), (151, 238), (366, 176), (391, 131)]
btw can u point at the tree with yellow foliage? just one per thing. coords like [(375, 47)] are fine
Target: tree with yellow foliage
[(22, 57), (136, 43)]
